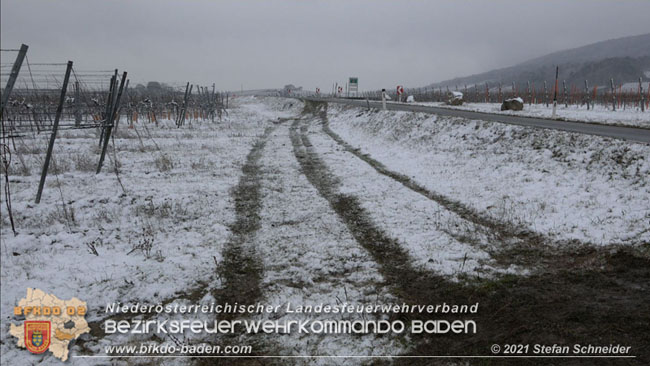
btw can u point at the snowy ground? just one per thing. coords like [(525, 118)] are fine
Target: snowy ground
[(345, 206), (310, 257), (176, 195), (568, 186), (631, 116), (430, 233)]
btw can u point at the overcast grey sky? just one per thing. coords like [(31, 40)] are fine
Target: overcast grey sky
[(311, 43)]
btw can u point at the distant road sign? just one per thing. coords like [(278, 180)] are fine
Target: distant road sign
[(353, 84), (400, 90)]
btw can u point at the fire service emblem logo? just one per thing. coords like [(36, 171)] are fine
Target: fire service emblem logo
[(37, 336)]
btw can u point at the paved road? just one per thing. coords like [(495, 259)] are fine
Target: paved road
[(624, 133)]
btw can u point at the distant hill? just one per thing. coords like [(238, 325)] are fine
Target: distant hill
[(624, 59)]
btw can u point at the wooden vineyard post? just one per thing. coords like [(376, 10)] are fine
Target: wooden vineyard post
[(15, 70), (13, 75), (213, 102), (109, 125), (77, 105), (557, 72), (117, 121), (499, 99), (180, 109), (641, 95), (181, 116), (534, 96), (611, 81), (186, 104), (587, 94), (55, 127), (109, 103)]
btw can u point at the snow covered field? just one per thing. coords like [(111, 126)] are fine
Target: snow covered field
[(631, 116), (284, 205), (157, 239), (564, 185)]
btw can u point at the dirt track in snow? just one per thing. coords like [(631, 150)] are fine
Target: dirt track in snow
[(580, 295), (290, 210), (590, 296)]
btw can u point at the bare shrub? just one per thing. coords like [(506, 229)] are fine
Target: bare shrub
[(58, 166), (176, 211), (84, 163), (92, 246), (138, 148), (58, 215), (18, 167), (202, 164), (144, 244), (105, 215), (30, 149), (122, 133), (23, 168), (164, 163)]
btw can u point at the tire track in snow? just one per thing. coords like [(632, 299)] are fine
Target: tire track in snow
[(241, 268), (310, 258), (246, 198), (522, 246), (503, 230), (395, 262), (542, 308), (409, 283)]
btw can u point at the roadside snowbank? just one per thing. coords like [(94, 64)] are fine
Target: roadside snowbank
[(568, 186), (631, 116)]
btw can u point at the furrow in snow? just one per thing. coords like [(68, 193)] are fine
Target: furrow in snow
[(310, 258)]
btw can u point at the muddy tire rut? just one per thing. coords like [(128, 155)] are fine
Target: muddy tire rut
[(241, 270), (517, 245), (569, 305)]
